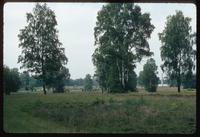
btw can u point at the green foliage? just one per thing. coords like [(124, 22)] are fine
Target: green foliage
[(29, 82), (80, 82), (42, 53), (132, 81), (176, 50), (121, 35), (56, 80), (189, 81), (111, 100), (11, 79), (25, 79), (113, 84), (33, 84), (170, 82), (98, 101), (88, 83), (148, 76), (140, 78)]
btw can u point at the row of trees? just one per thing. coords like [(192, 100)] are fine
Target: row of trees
[(121, 39), (14, 80), (80, 82), (28, 82), (121, 36)]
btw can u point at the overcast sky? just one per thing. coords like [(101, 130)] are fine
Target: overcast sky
[(76, 22)]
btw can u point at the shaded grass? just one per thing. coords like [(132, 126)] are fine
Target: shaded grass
[(96, 113)]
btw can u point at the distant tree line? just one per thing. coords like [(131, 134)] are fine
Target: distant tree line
[(14, 80), (11, 80), (75, 82), (28, 82), (79, 82), (187, 81)]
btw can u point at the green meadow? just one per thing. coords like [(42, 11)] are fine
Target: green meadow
[(165, 111)]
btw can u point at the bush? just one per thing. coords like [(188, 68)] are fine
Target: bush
[(11, 80), (98, 101), (111, 100), (132, 82), (189, 81), (88, 83), (147, 77)]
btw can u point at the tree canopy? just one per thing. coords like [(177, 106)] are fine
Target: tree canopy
[(121, 35), (42, 53), (88, 83), (176, 50), (148, 77), (11, 80), (25, 80)]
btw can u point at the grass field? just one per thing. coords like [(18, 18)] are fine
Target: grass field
[(77, 112)]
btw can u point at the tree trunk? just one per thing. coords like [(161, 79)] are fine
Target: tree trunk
[(126, 79), (179, 82), (43, 83), (119, 72), (179, 88), (179, 74), (179, 79), (123, 76), (43, 73), (44, 88)]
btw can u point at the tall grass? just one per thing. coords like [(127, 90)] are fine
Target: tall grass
[(100, 113)]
